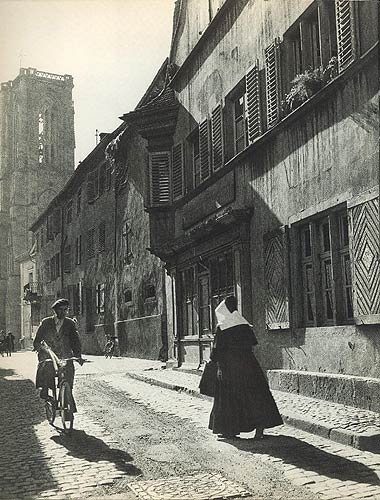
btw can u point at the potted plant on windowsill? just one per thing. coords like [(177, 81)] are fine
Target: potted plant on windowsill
[(308, 83)]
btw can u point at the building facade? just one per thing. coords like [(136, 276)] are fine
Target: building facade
[(264, 179), (36, 159), (96, 252)]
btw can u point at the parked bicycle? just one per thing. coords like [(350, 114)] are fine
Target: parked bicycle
[(61, 399)]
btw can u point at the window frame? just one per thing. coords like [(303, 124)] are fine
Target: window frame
[(330, 262)]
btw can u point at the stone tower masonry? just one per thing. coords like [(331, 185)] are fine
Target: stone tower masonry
[(36, 159)]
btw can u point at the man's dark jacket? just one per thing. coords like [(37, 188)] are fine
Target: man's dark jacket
[(65, 344)]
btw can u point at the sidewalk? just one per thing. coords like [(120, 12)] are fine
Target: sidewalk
[(344, 424)]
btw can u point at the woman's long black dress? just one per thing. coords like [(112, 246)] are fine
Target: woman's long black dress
[(243, 400)]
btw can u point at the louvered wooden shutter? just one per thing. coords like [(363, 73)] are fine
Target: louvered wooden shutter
[(345, 32), (365, 261), (272, 79), (204, 151), (253, 103), (276, 270), (177, 171), (160, 178), (217, 139)]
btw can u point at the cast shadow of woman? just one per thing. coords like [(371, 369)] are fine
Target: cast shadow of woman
[(309, 458), (82, 445)]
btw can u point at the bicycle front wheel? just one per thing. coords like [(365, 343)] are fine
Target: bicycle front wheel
[(66, 404), (50, 409)]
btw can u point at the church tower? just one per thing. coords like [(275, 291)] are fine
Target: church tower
[(36, 159)]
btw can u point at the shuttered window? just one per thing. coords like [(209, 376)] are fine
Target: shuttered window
[(102, 236), (365, 261), (217, 140), (253, 103), (276, 279), (159, 170), (345, 32), (272, 79), (177, 171), (204, 150), (90, 242)]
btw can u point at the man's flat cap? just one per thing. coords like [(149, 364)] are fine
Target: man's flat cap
[(60, 302)]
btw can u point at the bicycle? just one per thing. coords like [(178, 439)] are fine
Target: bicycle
[(109, 349), (63, 404)]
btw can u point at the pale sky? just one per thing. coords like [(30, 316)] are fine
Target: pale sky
[(112, 48)]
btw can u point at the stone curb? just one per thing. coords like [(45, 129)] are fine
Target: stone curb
[(167, 385), (365, 441)]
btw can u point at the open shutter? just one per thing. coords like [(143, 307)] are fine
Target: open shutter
[(365, 260), (276, 273), (217, 139), (253, 103), (272, 79), (160, 178), (345, 32), (177, 171), (204, 151)]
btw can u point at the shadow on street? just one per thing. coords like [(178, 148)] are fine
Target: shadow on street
[(309, 458), (24, 467), (82, 445)]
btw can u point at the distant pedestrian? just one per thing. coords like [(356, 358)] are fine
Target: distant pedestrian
[(243, 401), (3, 343), (11, 340), (8, 345)]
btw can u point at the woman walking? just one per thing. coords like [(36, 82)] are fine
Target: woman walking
[(243, 401)]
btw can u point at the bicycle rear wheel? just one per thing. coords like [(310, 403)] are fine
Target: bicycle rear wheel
[(66, 404), (50, 409)]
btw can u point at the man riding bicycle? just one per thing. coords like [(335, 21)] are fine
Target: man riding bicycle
[(61, 334)]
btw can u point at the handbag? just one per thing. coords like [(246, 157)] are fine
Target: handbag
[(207, 384)]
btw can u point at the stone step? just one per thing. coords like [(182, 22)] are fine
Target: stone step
[(348, 390), (344, 424)]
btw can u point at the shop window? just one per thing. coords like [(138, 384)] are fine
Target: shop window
[(326, 270), (221, 280), (189, 302)]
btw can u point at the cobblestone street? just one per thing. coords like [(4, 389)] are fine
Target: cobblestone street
[(132, 436)]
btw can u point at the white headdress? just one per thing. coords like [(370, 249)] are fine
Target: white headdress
[(227, 319)]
